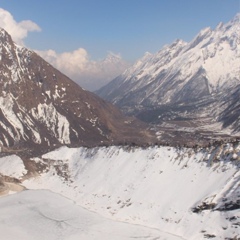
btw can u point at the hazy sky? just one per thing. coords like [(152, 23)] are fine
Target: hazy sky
[(88, 30)]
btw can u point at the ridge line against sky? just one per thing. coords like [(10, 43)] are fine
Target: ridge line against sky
[(93, 41)]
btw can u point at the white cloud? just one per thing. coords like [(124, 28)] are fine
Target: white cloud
[(87, 73), (77, 64), (18, 30)]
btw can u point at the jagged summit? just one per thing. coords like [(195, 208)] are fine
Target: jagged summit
[(111, 57), (4, 35), (205, 70), (39, 106)]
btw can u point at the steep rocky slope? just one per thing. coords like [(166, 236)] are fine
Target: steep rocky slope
[(185, 81), (41, 107)]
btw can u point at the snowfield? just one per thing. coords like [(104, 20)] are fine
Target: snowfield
[(45, 215), (12, 166), (153, 193)]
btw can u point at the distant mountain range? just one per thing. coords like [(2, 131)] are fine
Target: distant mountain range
[(41, 107), (185, 81), (188, 87), (73, 156)]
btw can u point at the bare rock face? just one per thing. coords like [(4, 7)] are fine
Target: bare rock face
[(41, 107)]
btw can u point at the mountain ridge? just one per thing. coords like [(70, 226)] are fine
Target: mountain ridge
[(41, 106), (205, 69)]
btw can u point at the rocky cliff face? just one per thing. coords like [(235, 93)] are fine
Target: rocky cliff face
[(41, 106)]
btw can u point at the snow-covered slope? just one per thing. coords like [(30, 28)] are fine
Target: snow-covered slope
[(198, 76), (39, 106), (44, 215), (190, 193)]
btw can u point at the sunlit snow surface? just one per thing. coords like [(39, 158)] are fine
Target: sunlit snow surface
[(12, 166), (41, 214), (155, 188)]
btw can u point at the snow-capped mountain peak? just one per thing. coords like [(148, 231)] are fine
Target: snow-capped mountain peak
[(41, 106), (112, 57), (181, 72)]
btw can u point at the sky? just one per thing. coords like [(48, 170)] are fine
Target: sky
[(93, 41)]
